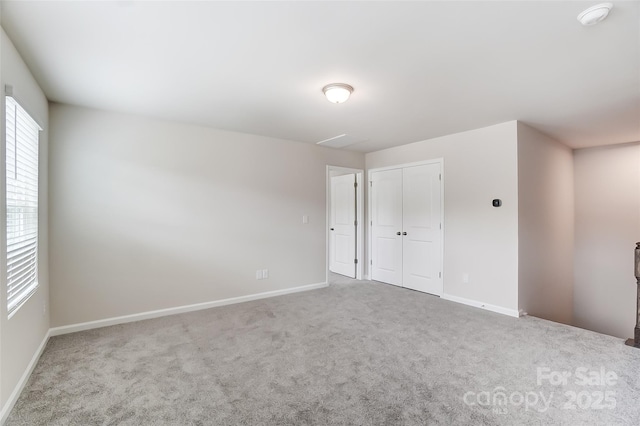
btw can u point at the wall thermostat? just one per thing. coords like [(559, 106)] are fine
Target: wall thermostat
[(497, 202)]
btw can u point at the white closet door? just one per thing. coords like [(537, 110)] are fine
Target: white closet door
[(421, 219), (343, 228), (386, 226)]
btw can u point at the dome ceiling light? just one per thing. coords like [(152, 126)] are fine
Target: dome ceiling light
[(595, 14), (337, 93)]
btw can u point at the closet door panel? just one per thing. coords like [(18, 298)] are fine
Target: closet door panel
[(421, 228), (386, 218)]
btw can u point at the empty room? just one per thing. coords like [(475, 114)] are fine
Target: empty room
[(319, 212)]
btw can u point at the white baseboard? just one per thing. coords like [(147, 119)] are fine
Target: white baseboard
[(56, 331), (482, 305), (23, 380)]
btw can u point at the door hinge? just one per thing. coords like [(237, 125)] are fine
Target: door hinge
[(371, 223), (440, 226), (370, 183), (355, 223), (371, 262), (355, 260), (439, 176), (355, 184), (439, 274)]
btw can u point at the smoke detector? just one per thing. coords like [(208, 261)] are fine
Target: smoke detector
[(595, 14)]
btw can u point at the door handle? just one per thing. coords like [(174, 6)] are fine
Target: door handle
[(332, 229), (404, 233), (398, 233)]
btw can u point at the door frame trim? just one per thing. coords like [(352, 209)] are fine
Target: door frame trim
[(360, 174), (439, 160)]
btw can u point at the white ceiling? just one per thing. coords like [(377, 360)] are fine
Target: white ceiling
[(419, 69)]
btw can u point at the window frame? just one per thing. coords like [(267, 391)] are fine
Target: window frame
[(25, 186)]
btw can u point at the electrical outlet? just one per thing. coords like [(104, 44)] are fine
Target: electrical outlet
[(465, 278), (265, 274)]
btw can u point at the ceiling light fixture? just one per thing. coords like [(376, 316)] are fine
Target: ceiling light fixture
[(595, 14), (337, 93)]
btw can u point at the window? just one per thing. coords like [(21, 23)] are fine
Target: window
[(22, 204)]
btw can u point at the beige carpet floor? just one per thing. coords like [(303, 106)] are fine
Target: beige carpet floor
[(355, 353)]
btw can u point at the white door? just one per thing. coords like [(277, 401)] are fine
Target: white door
[(342, 234), (386, 226), (421, 228)]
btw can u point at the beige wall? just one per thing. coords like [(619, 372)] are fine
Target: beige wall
[(21, 335), (149, 214), (607, 197), (545, 218), (479, 239)]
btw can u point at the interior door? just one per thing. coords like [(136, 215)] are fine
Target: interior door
[(421, 234), (386, 226), (342, 235)]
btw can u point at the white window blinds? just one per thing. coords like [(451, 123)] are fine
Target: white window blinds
[(22, 204)]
